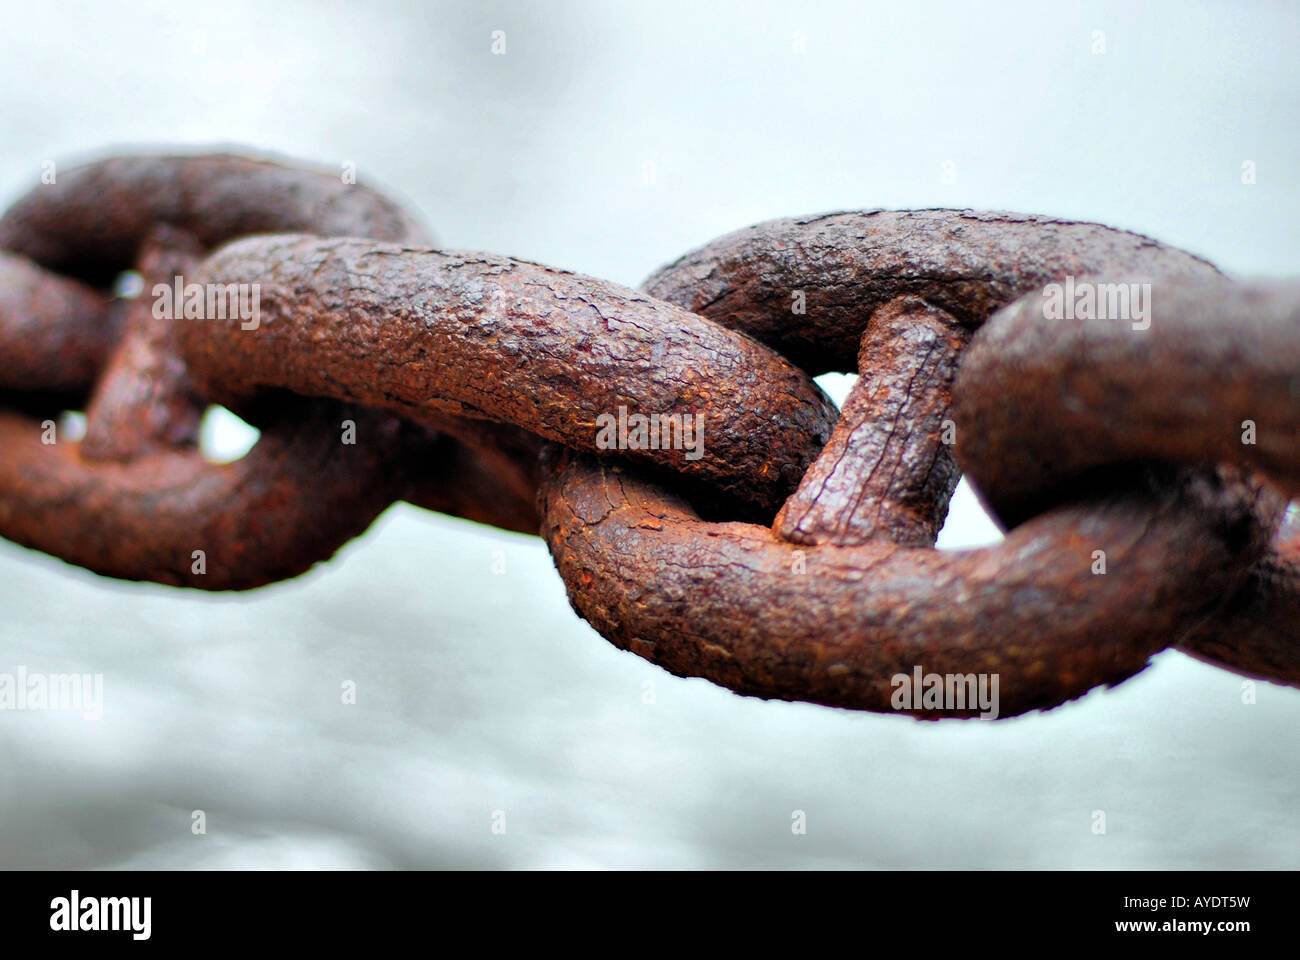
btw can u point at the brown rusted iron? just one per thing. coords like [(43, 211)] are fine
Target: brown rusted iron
[(736, 604), (910, 286), (136, 500), (425, 332), (453, 368), (1211, 375), (887, 474), (480, 471), (852, 291), (93, 221), (173, 517), (1257, 632), (848, 265), (57, 333), (143, 399)]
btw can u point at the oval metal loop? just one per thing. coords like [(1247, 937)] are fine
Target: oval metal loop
[(1028, 619), (138, 500), (462, 363), (1210, 374), (900, 293), (1045, 402), (430, 333), (93, 221)]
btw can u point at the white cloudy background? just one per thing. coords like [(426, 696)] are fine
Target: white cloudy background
[(479, 692)]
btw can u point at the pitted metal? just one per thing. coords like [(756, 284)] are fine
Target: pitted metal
[(789, 552)]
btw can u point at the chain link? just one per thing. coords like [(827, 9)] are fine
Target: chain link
[(743, 530)]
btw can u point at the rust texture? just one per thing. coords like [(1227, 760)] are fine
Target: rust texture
[(877, 292), (293, 500), (472, 335), (888, 473), (1090, 438), (1040, 402), (1257, 632), (908, 287), (94, 220), (143, 400), (725, 601), (847, 265), (57, 333), (136, 499), (1043, 407)]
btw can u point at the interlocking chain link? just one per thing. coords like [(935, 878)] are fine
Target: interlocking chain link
[(771, 543)]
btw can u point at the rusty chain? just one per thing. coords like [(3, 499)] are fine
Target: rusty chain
[(1140, 447)]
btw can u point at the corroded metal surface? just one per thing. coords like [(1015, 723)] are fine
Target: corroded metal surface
[(94, 220), (379, 369), (57, 333), (737, 604), (144, 519), (1257, 632), (472, 335), (1043, 407), (1040, 401), (847, 265), (136, 499)]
